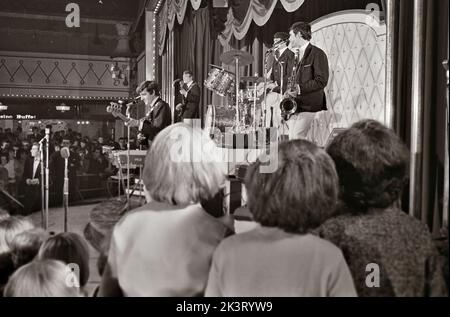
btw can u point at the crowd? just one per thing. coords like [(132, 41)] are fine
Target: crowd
[(20, 164), (329, 224)]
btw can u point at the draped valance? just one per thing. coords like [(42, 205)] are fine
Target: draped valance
[(241, 13)]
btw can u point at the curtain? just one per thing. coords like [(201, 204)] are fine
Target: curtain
[(431, 160), (194, 50)]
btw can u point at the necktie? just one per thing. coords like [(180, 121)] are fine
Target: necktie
[(277, 55)]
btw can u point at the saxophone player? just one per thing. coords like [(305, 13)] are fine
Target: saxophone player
[(310, 79)]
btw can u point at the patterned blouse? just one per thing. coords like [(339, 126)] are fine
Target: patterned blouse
[(389, 253)]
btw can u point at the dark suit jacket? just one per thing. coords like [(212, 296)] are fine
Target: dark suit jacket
[(287, 61), (32, 200), (158, 119), (28, 170), (191, 109), (312, 76)]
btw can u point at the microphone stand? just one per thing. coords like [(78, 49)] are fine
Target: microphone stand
[(66, 191), (128, 157), (43, 211), (47, 178), (265, 89)]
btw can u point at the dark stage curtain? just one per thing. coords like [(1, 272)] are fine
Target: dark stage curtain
[(195, 49), (433, 135)]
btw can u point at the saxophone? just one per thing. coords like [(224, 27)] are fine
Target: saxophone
[(288, 105)]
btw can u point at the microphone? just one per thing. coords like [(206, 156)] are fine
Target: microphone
[(65, 152), (47, 134), (273, 48)]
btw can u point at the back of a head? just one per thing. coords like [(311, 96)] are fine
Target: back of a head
[(25, 246), (3, 214), (46, 278), (183, 166), (300, 195), (69, 248), (9, 228), (372, 164)]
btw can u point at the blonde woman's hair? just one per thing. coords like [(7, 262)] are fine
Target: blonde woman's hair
[(9, 228), (46, 278), (183, 166)]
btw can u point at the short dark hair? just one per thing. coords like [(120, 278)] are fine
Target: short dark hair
[(300, 195), (281, 35), (188, 72), (150, 86), (372, 164), (304, 28)]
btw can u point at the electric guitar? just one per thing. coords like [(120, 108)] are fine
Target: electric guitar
[(116, 110)]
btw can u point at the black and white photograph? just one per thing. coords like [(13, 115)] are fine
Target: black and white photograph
[(219, 149)]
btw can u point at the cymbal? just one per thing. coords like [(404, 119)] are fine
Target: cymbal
[(254, 79), (229, 57)]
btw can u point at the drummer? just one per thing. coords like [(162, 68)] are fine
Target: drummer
[(282, 62)]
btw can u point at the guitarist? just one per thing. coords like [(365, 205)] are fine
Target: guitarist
[(190, 91), (157, 113)]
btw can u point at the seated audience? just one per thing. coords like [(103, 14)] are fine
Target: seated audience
[(280, 258), (68, 247), (389, 252), (165, 247), (47, 278)]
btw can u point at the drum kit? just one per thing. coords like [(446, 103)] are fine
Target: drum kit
[(246, 101)]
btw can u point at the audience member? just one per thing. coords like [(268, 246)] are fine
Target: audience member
[(280, 258), (25, 246), (68, 247), (48, 278), (375, 235), (165, 247)]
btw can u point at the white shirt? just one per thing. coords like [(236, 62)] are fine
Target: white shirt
[(301, 50), (280, 52), (189, 84), (36, 165)]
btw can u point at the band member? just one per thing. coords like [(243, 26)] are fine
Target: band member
[(32, 181), (190, 92), (157, 114), (311, 77), (283, 62)]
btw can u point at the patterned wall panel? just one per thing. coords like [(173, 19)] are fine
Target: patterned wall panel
[(356, 50), (69, 75)]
